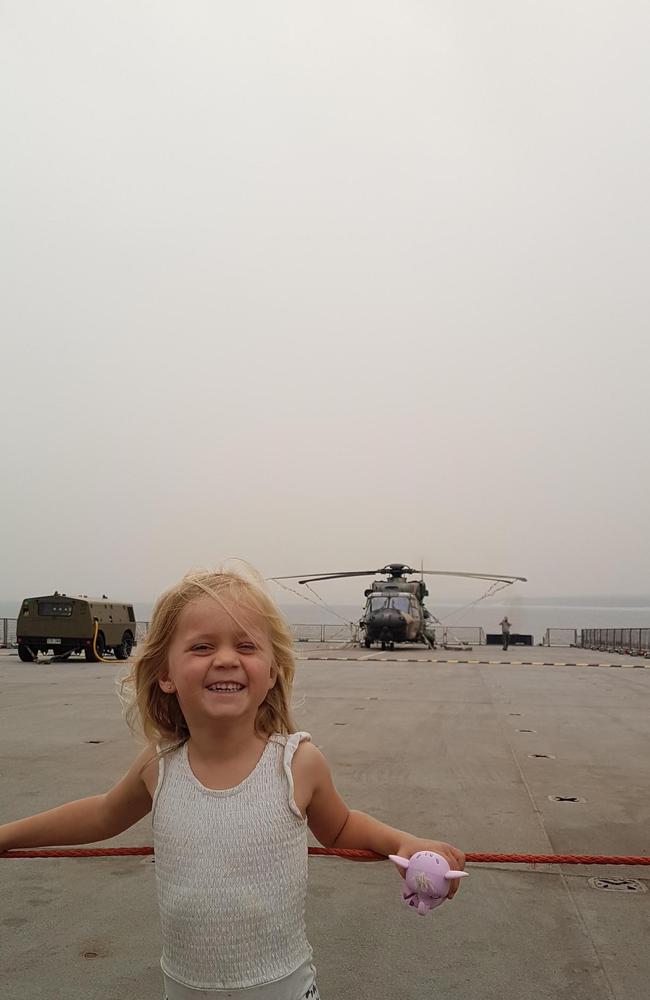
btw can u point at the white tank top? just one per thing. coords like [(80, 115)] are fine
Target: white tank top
[(231, 872)]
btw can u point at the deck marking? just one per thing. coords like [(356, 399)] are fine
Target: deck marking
[(484, 663)]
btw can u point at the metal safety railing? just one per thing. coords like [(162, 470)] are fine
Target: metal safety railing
[(141, 629), (346, 632), (7, 632), (450, 635), (560, 637), (634, 641)]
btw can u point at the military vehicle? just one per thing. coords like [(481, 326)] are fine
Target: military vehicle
[(395, 610), (66, 625)]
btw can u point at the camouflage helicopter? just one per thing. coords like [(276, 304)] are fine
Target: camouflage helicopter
[(394, 610)]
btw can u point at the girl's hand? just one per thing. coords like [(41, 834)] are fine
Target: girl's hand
[(454, 858)]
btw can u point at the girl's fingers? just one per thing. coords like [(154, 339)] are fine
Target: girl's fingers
[(459, 859), (454, 858)]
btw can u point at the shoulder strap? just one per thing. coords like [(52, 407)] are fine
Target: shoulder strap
[(291, 745)]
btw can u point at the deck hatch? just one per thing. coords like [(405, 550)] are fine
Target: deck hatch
[(618, 884)]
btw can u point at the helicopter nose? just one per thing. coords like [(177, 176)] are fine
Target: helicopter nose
[(388, 616), (389, 625)]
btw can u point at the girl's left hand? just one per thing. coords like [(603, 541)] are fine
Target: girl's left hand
[(452, 855)]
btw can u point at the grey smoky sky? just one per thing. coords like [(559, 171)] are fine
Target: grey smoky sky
[(323, 286)]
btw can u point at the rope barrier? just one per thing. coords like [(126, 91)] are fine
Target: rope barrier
[(517, 859)]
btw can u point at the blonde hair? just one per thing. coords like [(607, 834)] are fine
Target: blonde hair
[(158, 714)]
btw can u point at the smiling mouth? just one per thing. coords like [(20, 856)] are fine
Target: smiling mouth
[(229, 688)]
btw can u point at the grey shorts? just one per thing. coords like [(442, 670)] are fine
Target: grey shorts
[(299, 985)]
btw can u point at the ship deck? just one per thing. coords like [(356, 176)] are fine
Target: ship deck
[(464, 746)]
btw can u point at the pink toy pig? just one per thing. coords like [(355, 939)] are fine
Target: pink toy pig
[(427, 879)]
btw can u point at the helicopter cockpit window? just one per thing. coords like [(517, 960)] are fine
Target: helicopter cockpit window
[(378, 603), (401, 603)]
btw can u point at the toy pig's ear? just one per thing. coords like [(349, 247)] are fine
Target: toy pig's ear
[(450, 875), (402, 862)]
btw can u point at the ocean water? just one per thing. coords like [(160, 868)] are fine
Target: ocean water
[(529, 617)]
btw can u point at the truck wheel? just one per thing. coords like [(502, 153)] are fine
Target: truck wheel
[(25, 654), (123, 651), (100, 645)]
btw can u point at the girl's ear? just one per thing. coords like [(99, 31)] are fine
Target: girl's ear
[(166, 685)]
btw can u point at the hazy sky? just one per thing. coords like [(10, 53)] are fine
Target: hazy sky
[(324, 286)]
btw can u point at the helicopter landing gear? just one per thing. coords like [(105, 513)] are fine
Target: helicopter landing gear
[(387, 645)]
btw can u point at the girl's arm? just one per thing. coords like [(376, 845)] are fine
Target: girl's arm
[(89, 820), (334, 825)]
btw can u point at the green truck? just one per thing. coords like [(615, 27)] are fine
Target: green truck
[(66, 625)]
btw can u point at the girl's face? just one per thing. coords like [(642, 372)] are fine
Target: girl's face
[(216, 667)]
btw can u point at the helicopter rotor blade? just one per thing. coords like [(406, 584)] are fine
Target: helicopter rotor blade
[(405, 570), (328, 576), (339, 576), (501, 577)]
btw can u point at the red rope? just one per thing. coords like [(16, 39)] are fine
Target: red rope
[(517, 859)]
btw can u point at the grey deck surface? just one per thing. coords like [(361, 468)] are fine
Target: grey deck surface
[(434, 748)]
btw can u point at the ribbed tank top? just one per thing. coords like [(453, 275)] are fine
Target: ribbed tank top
[(231, 872)]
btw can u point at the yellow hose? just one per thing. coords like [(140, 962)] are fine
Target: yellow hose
[(95, 634)]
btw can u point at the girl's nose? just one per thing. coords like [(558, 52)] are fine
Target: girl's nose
[(225, 656)]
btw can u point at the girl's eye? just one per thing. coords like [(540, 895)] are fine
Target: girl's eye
[(200, 648), (248, 647)]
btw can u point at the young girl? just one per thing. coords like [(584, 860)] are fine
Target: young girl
[(232, 788)]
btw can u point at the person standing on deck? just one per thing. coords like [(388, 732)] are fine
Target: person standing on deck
[(232, 787), (505, 632)]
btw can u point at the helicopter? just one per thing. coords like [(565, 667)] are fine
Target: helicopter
[(394, 609)]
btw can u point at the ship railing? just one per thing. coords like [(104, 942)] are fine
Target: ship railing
[(560, 637), (345, 632), (7, 632), (141, 629), (635, 641), (452, 635)]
